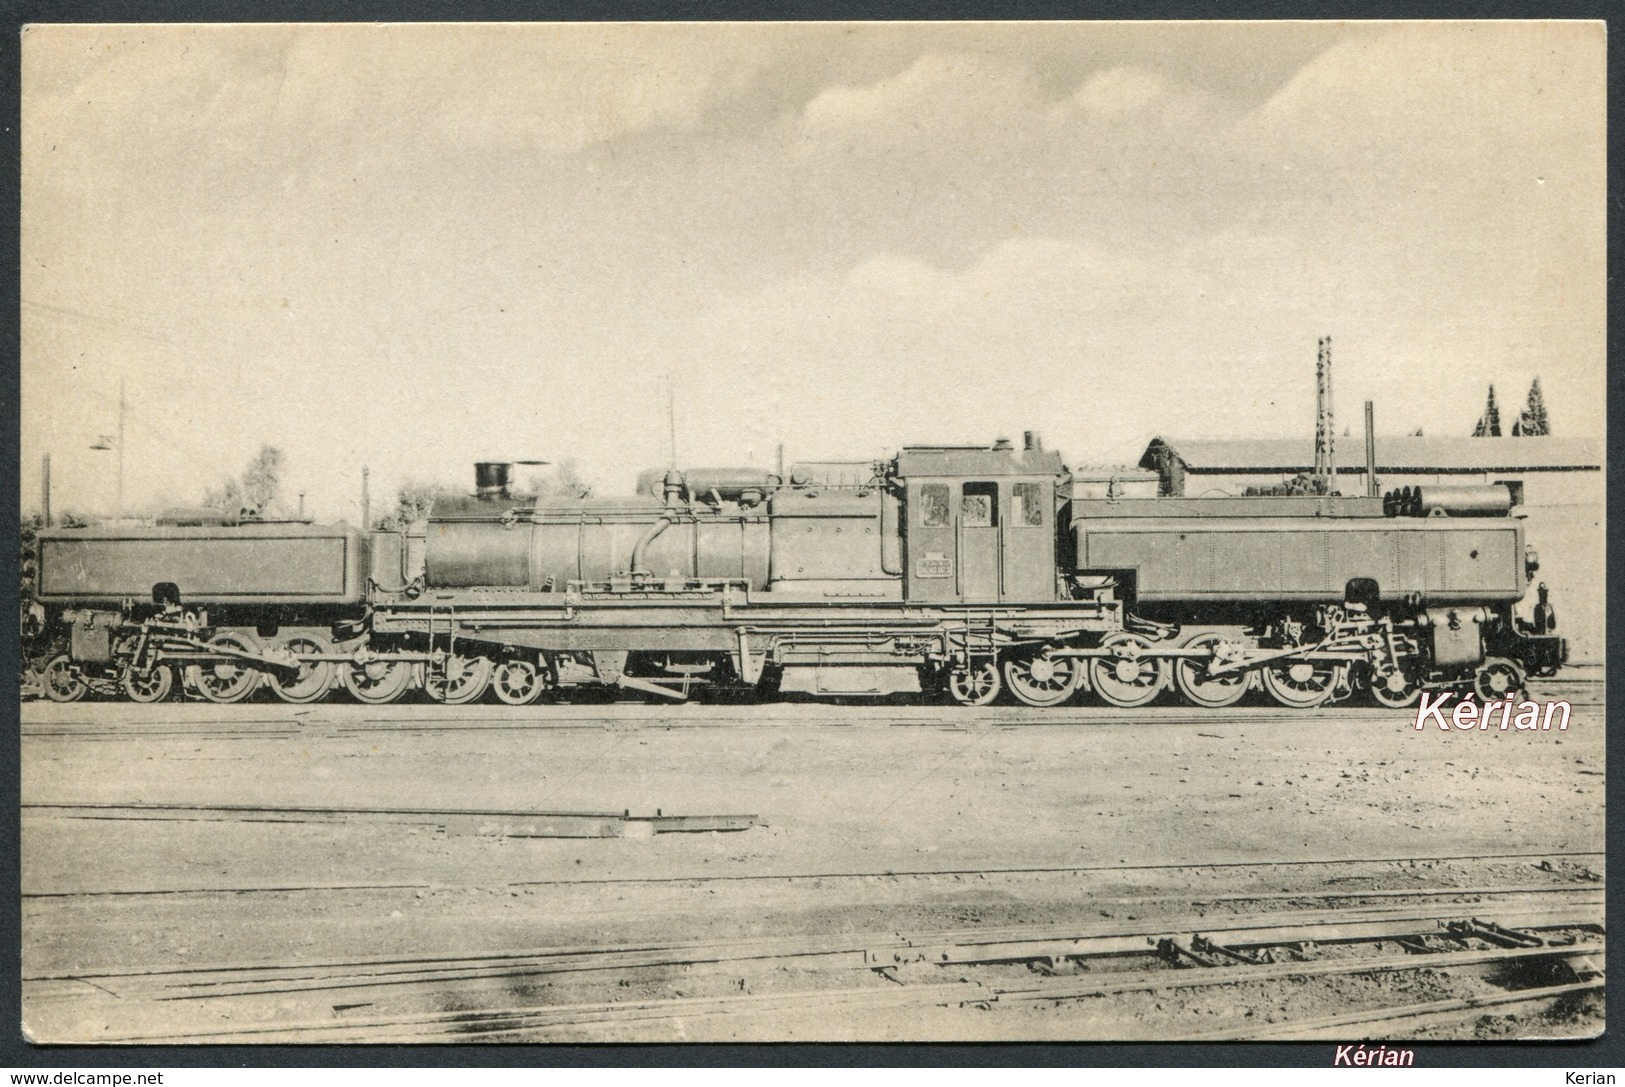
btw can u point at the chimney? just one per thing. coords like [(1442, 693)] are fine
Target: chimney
[(1031, 441), (492, 479)]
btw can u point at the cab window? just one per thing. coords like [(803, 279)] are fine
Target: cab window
[(934, 505), (979, 506), (1027, 504)]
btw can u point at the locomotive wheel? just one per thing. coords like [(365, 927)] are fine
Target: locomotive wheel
[(229, 680), (976, 686), (1042, 681), (1300, 685), (152, 685), (1191, 675), (517, 683), (1128, 678), (314, 679), (1498, 680), (377, 681), (62, 681), (458, 680), (1397, 689)]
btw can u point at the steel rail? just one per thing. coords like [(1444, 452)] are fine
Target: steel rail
[(892, 874), (486, 1023), (1308, 1028), (864, 950)]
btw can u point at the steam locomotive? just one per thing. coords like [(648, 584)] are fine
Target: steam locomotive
[(967, 572)]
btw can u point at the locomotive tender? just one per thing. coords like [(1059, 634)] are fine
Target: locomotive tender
[(965, 570)]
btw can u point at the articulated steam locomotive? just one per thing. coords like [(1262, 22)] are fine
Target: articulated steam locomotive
[(965, 571)]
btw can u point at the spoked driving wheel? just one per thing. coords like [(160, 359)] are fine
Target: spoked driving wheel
[(1042, 680), (153, 685), (63, 681), (229, 679), (314, 678), (458, 680), (1197, 682), (974, 686), (518, 683), (1128, 677), (376, 682), (1301, 684)]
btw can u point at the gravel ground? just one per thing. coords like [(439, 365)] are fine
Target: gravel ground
[(880, 818)]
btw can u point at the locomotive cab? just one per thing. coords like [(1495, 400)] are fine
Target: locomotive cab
[(981, 524)]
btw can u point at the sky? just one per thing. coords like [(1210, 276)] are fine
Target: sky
[(411, 247)]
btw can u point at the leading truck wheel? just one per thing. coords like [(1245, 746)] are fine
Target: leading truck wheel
[(62, 680), (517, 683), (376, 682), (227, 680), (974, 686), (1498, 680), (1396, 689), (1192, 678), (1128, 678), (1041, 680), (314, 678)]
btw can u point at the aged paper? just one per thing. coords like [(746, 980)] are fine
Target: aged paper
[(385, 253)]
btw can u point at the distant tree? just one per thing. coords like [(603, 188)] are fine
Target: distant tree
[(1417, 433), (564, 481), (412, 504), (1489, 424), (227, 498), (254, 491), (1532, 420), (263, 478)]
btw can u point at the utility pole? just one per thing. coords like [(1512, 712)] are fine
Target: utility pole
[(1370, 454), (1325, 432), (366, 499), (671, 414), (118, 509), (45, 489)]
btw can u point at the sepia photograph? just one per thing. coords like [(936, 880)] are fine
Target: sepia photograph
[(732, 532)]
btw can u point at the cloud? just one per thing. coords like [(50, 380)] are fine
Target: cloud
[(937, 89), (1113, 92), (1463, 95)]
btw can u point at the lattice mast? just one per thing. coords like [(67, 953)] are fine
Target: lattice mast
[(1325, 428)]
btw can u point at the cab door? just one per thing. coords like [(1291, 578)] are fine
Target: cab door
[(932, 560), (980, 561), (1029, 542)]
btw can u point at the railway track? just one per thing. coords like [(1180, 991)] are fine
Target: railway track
[(114, 721), (1588, 859), (1516, 947)]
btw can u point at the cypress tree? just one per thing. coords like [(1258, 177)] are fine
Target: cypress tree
[(1489, 424), (1532, 421)]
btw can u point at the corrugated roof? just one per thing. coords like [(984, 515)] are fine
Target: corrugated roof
[(1288, 455)]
